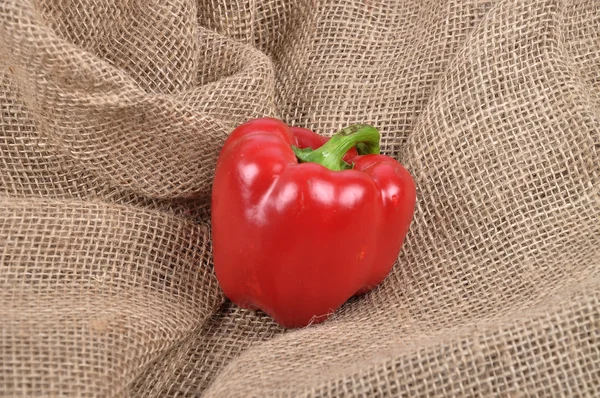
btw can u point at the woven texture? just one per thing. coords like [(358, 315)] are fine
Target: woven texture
[(112, 114)]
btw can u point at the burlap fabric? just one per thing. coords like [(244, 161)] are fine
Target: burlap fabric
[(112, 115)]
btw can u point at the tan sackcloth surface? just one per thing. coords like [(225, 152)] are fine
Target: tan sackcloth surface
[(113, 113)]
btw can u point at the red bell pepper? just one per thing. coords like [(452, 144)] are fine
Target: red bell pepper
[(301, 223)]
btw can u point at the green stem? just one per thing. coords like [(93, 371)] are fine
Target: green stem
[(365, 138)]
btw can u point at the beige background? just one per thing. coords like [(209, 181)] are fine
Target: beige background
[(112, 115)]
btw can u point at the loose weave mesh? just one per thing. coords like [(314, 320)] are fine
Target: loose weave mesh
[(112, 116)]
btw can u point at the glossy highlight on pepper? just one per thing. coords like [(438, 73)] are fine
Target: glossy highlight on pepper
[(301, 223)]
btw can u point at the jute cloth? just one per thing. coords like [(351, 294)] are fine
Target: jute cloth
[(113, 113)]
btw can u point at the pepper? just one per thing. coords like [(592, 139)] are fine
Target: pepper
[(301, 223)]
